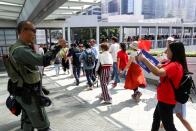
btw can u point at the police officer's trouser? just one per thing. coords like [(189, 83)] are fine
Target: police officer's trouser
[(33, 116)]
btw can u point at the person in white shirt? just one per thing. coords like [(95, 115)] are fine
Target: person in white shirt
[(41, 52), (103, 68), (114, 48)]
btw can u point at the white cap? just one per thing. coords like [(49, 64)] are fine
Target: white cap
[(134, 45), (170, 39)]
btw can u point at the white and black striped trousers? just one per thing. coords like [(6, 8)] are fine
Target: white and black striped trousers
[(104, 80)]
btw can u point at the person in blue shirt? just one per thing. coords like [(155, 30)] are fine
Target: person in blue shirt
[(88, 59), (95, 50)]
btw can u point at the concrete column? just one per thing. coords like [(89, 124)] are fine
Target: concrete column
[(156, 34), (182, 34), (121, 34), (69, 35), (140, 33), (148, 31), (63, 29), (192, 35), (97, 37)]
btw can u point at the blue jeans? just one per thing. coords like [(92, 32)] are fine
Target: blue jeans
[(90, 77), (57, 68), (76, 73), (115, 73)]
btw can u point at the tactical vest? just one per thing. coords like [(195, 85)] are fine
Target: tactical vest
[(30, 74)]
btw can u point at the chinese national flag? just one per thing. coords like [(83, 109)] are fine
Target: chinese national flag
[(144, 44)]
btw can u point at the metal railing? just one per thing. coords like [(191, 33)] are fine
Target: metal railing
[(162, 43), (4, 50)]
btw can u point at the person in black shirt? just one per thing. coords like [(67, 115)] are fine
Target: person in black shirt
[(75, 53)]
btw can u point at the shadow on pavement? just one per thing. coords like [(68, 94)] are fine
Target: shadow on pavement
[(14, 126)]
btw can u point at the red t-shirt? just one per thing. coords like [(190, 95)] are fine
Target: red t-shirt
[(165, 92), (123, 56)]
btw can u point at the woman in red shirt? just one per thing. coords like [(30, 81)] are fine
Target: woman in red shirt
[(122, 60), (134, 77), (172, 70)]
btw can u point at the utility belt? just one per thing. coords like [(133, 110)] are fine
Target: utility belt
[(29, 92), (30, 89)]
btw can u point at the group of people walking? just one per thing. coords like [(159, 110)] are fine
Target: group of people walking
[(114, 63)]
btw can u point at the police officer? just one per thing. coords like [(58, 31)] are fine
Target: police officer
[(29, 95)]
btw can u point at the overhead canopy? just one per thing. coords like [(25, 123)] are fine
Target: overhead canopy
[(71, 7), (38, 10), (10, 9)]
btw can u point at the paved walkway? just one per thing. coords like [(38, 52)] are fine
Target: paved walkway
[(75, 109)]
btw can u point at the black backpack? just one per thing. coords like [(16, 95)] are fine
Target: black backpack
[(182, 94), (89, 58)]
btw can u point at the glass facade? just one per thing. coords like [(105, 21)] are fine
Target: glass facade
[(108, 32), (127, 7), (112, 6), (82, 35)]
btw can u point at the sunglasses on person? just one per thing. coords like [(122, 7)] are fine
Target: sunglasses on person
[(30, 29)]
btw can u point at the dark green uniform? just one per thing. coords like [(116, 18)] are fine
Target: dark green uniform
[(25, 61)]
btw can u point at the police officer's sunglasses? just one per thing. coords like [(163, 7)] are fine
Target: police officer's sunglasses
[(30, 29)]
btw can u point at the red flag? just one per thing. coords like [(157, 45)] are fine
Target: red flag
[(144, 44)]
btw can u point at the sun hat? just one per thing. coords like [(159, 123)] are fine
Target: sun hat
[(134, 45)]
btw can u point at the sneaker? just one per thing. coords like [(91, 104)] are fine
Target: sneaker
[(138, 95), (108, 102), (89, 88), (133, 96), (161, 125), (114, 85), (77, 83)]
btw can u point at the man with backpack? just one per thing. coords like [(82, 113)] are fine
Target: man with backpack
[(25, 81), (95, 50), (75, 54), (88, 59)]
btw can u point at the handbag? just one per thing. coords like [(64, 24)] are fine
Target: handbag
[(14, 107), (99, 70)]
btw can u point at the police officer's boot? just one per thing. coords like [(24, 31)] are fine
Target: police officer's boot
[(45, 91), (46, 129)]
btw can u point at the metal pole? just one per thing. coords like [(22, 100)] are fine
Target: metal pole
[(182, 33), (69, 35), (170, 31), (121, 34), (97, 37)]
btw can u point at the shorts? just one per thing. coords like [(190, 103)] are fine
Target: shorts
[(180, 108)]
